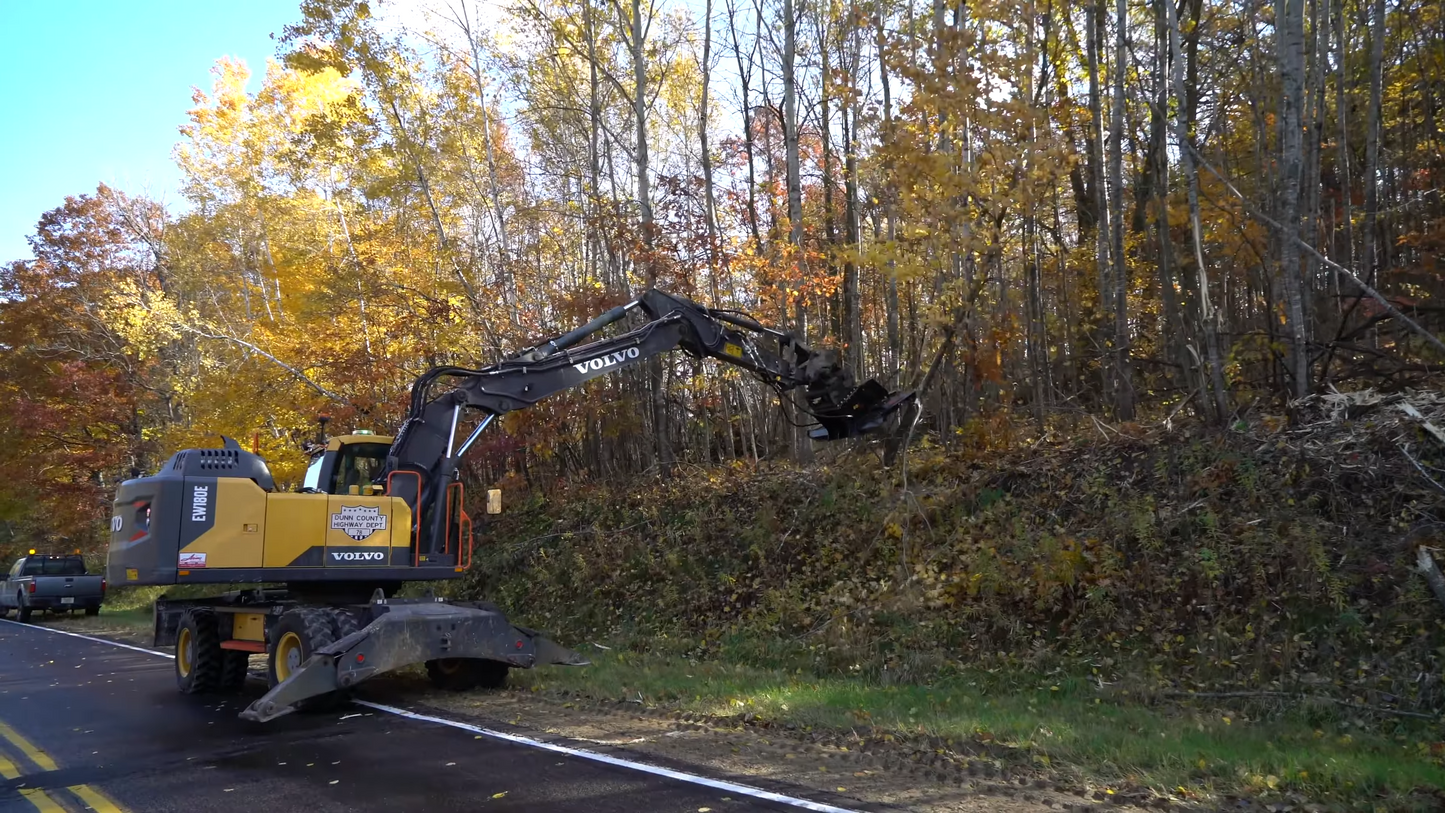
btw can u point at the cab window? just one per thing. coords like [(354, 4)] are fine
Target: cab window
[(359, 465), (313, 474)]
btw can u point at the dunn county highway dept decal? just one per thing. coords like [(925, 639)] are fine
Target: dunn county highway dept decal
[(359, 521)]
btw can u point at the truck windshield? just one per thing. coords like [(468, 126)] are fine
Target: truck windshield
[(54, 566)]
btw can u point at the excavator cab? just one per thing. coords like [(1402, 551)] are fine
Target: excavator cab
[(349, 465)]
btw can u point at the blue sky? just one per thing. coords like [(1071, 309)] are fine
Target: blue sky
[(92, 91)]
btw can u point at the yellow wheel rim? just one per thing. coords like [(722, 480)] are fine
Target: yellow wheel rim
[(449, 666), (288, 655), (185, 652)]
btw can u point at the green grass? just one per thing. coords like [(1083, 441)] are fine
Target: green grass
[(1064, 724), (1060, 722), (111, 619)]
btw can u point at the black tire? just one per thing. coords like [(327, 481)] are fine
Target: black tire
[(313, 629), (92, 611), (343, 623), (22, 612), (198, 652), (465, 674), (234, 666)]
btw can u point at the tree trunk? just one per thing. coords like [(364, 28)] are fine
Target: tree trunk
[(802, 448), (745, 75), (1123, 377), (895, 336), (852, 296), (1096, 173), (1208, 316), (594, 156), (1289, 34), (1373, 263), (825, 114), (634, 38), (1341, 109), (709, 193)]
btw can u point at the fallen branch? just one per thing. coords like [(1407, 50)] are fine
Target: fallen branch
[(1409, 409), (1421, 469), (1302, 697), (1425, 563)]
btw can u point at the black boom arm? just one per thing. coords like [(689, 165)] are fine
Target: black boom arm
[(426, 446)]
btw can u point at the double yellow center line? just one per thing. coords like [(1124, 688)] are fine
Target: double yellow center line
[(42, 801)]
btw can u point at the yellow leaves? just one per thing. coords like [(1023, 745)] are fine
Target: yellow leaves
[(145, 319)]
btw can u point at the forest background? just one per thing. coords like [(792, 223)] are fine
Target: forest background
[(1125, 252)]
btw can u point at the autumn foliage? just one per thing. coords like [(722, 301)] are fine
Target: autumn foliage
[(1036, 214)]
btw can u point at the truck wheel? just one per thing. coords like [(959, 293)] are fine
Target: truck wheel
[(92, 611), (463, 674), (22, 613), (198, 653), (299, 633)]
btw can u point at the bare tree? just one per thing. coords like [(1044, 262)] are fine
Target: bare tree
[(633, 28), (795, 191), (1183, 122), (1123, 377), (1289, 31), (1374, 264)]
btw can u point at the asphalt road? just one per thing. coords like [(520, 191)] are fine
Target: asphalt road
[(88, 726)]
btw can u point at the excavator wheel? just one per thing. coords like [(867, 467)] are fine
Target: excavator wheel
[(234, 667), (298, 633), (198, 653), (463, 674), (343, 623)]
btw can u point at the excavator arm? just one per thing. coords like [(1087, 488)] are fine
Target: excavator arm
[(425, 443), (425, 448)]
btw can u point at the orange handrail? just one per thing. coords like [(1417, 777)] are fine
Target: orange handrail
[(466, 523)]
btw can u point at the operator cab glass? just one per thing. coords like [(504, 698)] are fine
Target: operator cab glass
[(313, 474), (359, 465), (346, 465)]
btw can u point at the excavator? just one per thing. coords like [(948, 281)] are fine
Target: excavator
[(374, 511)]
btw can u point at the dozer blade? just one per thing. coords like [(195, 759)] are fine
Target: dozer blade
[(403, 635)]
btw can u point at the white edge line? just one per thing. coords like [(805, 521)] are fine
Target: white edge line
[(643, 767), (155, 652), (717, 784)]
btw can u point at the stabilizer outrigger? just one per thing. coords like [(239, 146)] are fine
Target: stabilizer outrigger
[(472, 642)]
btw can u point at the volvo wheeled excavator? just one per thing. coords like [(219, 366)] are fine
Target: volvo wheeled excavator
[(374, 512)]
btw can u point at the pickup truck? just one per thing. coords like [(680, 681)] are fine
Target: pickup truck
[(51, 583)]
